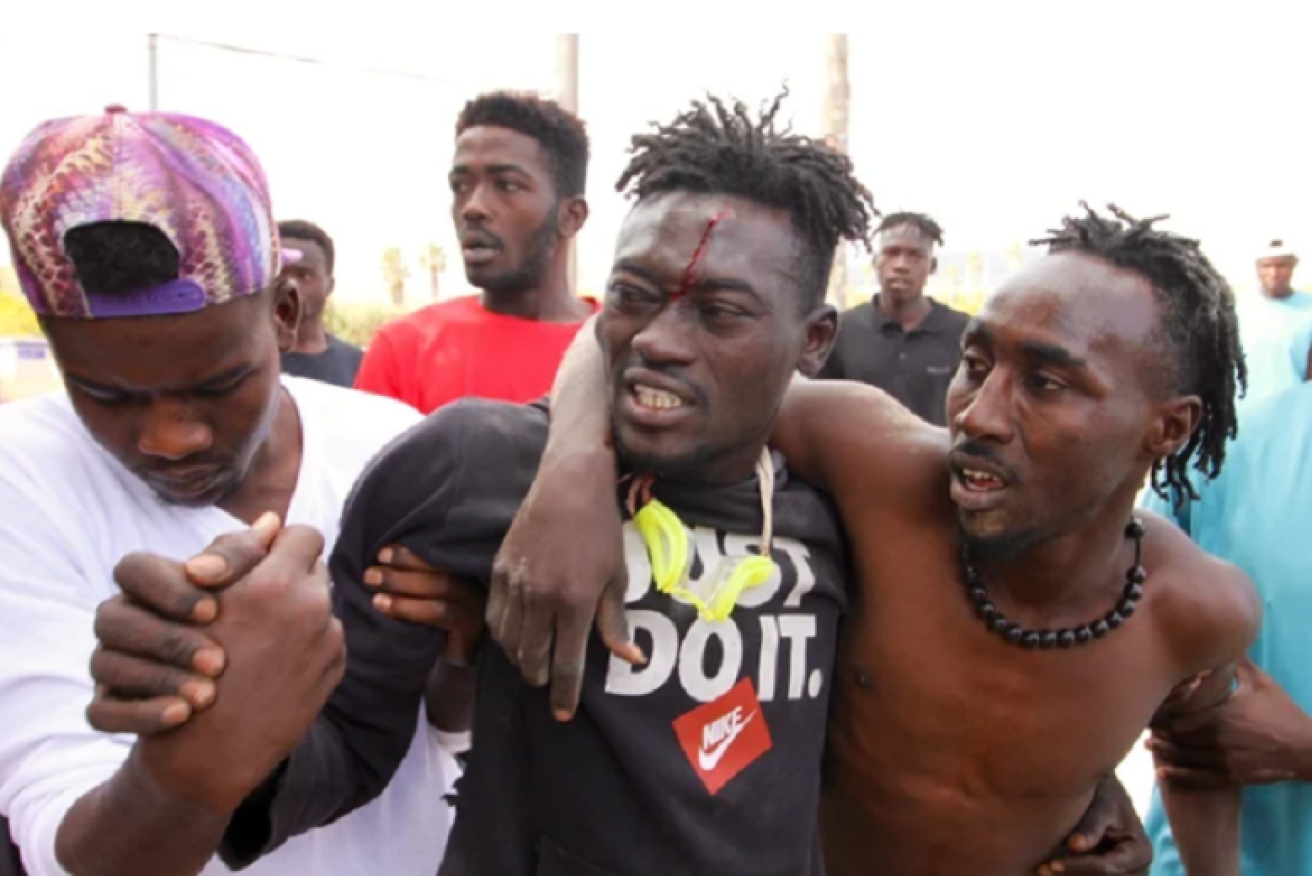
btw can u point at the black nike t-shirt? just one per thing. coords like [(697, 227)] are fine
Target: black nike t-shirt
[(704, 761)]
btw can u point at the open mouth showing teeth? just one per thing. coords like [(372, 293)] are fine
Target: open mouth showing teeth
[(980, 481), (657, 399)]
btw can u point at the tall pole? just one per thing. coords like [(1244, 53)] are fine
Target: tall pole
[(567, 95), (838, 92), (154, 72)]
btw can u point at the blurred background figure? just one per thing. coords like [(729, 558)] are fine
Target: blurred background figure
[(1269, 321), (318, 354), (903, 341)]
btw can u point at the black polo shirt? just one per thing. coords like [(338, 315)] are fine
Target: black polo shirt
[(914, 367), (337, 364)]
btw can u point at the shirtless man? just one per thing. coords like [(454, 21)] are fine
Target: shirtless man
[(1001, 560)]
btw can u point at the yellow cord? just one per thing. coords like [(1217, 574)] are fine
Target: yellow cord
[(667, 545)]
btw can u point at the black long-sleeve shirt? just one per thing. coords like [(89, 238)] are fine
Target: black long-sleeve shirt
[(706, 760)]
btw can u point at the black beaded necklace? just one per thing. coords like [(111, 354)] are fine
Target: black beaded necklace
[(994, 619)]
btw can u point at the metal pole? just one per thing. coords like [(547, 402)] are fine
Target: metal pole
[(838, 92), (154, 72), (567, 95)]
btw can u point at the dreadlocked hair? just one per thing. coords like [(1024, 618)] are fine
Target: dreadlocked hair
[(923, 221), (1198, 325), (716, 147)]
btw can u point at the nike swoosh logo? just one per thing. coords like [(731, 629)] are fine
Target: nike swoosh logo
[(709, 760)]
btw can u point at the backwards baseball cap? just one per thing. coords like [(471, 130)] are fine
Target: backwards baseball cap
[(1276, 249), (196, 182)]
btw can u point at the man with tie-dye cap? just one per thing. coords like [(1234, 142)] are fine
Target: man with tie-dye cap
[(145, 244)]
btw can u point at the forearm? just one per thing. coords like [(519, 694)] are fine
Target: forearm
[(580, 410), (450, 697), (1300, 750), (1205, 823), (131, 826), (320, 782)]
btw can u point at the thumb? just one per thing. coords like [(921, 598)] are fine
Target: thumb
[(1246, 671), (232, 556), (266, 528), (1097, 821), (613, 623)]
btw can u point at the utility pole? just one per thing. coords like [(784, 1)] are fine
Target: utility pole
[(567, 95), (838, 93)]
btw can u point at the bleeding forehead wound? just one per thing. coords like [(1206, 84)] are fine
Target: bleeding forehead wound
[(689, 273)]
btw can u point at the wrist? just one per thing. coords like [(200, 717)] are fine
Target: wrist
[(160, 775), (579, 459)]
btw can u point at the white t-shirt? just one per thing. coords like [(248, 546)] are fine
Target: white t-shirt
[(68, 513)]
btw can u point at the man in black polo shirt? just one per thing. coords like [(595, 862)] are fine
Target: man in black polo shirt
[(901, 341)]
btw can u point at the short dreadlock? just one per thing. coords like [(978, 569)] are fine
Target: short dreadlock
[(718, 147), (1198, 325), (923, 221)]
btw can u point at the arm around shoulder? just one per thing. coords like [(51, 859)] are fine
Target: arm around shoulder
[(847, 437)]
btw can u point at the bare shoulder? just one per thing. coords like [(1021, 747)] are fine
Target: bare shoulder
[(1210, 607), (853, 439)]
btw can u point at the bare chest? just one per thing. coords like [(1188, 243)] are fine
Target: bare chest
[(942, 727)]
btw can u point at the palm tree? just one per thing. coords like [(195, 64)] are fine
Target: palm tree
[(433, 260), (394, 274)]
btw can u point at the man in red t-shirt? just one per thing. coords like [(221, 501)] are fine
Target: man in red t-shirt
[(517, 184)]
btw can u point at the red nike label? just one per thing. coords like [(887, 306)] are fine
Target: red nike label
[(722, 738)]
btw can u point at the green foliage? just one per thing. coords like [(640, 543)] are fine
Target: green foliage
[(16, 317), (358, 323)]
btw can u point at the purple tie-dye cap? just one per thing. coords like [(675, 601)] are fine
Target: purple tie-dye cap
[(195, 181)]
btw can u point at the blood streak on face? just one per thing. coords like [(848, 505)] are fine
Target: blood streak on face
[(717, 361), (686, 284)]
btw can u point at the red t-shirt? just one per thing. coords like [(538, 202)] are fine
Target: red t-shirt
[(458, 348)]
